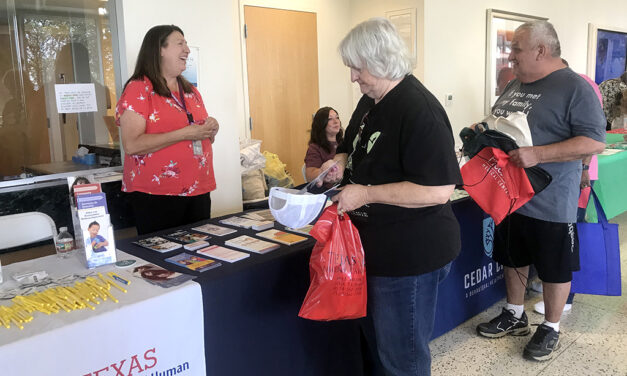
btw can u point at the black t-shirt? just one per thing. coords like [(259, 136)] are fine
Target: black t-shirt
[(405, 137)]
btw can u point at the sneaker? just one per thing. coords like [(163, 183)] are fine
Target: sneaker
[(539, 307), (542, 345), (536, 286), (504, 324)]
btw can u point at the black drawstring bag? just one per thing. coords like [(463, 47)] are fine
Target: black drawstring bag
[(476, 139)]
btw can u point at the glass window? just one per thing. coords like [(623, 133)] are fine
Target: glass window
[(52, 43)]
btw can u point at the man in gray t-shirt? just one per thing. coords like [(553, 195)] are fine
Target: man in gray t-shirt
[(567, 124), (559, 107)]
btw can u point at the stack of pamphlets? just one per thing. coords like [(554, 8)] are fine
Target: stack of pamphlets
[(239, 222), (248, 243), (157, 243), (214, 229), (96, 231), (159, 276), (262, 225), (302, 230), (186, 236), (193, 262), (259, 215), (223, 253), (282, 237)]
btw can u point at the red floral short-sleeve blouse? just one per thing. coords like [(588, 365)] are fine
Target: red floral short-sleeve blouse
[(173, 170)]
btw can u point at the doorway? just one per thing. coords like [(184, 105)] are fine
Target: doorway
[(282, 67), (69, 42)]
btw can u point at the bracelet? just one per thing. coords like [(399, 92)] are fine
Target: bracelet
[(585, 167)]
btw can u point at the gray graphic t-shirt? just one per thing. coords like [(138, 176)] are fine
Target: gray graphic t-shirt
[(559, 106)]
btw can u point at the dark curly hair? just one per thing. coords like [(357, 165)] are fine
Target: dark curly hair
[(319, 129)]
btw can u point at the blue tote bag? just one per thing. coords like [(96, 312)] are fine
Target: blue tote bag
[(599, 254)]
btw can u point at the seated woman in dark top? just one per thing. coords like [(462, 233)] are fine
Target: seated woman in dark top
[(326, 134)]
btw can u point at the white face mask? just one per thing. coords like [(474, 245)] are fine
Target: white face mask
[(293, 208)]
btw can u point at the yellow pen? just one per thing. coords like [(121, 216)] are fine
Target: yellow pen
[(112, 283), (111, 296), (4, 322), (97, 289), (88, 292)]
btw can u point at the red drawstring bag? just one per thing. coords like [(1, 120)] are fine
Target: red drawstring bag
[(337, 270), (496, 185)]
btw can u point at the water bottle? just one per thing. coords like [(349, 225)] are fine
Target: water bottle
[(64, 243)]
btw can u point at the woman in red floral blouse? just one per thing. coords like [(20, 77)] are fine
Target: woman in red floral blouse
[(167, 137)]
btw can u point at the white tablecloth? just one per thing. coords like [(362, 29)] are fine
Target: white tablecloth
[(152, 330)]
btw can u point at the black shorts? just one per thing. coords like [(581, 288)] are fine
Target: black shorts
[(553, 248)]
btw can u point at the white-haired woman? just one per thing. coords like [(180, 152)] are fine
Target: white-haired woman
[(398, 168)]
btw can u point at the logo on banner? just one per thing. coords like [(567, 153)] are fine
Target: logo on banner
[(488, 236)]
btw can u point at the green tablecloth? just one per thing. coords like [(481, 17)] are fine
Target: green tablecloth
[(612, 184)]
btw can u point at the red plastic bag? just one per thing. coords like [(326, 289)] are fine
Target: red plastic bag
[(496, 185), (337, 271)]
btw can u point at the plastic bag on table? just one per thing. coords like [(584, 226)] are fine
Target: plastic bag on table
[(337, 271), (275, 172), (250, 156)]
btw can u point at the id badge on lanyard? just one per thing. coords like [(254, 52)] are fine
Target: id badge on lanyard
[(196, 144)]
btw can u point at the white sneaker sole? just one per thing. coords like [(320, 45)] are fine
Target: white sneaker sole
[(527, 355), (516, 332)]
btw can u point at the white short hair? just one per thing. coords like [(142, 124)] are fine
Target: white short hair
[(376, 45), (543, 32)]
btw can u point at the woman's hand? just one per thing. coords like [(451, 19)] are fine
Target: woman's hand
[(213, 125), (201, 131), (335, 174), (351, 197)]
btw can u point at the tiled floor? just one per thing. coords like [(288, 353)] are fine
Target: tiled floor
[(593, 338)]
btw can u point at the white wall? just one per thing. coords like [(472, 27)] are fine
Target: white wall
[(362, 10), (213, 26), (455, 43)]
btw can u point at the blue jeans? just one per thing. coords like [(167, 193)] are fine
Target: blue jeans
[(401, 312)]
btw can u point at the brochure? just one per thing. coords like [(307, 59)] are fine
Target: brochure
[(94, 231), (214, 229), (99, 242), (159, 276), (223, 253), (157, 243), (239, 222), (302, 230), (248, 243), (196, 245), (193, 262), (259, 215), (282, 237), (186, 236), (262, 225)]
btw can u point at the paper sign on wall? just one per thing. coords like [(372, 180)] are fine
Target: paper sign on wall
[(74, 98), (191, 67)]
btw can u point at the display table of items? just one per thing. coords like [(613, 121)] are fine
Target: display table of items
[(251, 305), (64, 319), (610, 188)]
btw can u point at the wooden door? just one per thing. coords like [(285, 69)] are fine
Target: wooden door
[(282, 62)]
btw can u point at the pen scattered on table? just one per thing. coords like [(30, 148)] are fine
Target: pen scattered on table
[(81, 295), (118, 278)]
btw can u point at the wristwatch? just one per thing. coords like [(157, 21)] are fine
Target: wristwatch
[(585, 167)]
